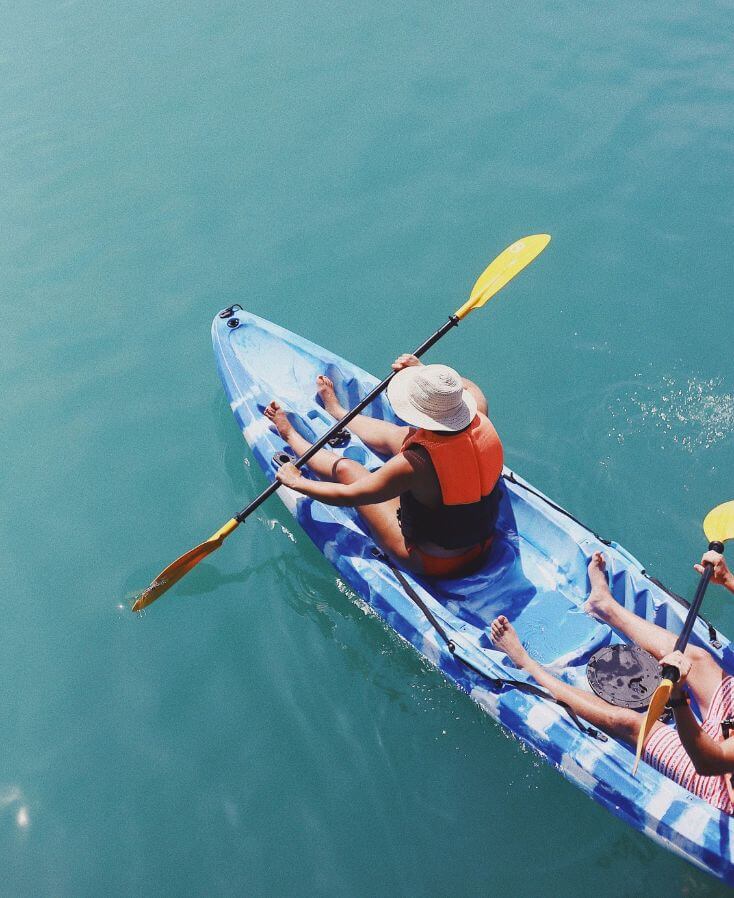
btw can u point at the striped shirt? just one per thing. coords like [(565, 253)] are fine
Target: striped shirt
[(665, 752)]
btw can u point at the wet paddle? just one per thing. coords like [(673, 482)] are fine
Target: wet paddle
[(718, 527), (509, 263)]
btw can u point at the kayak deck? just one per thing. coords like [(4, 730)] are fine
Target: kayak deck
[(535, 574)]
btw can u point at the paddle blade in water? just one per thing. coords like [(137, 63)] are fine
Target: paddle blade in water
[(182, 565), (718, 524), (504, 268), (655, 709)]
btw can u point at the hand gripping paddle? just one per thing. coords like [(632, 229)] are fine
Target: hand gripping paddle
[(718, 527), (498, 273)]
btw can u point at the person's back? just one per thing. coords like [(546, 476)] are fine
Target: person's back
[(452, 509)]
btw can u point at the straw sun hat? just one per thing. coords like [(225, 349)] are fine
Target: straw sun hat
[(433, 397)]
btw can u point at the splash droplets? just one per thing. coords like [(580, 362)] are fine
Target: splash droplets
[(693, 413)]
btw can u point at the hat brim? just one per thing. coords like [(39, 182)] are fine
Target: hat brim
[(398, 393)]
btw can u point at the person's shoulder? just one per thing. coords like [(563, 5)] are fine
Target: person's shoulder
[(416, 456), (417, 461), (486, 422)]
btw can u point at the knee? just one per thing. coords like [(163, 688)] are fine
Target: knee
[(696, 653), (624, 723), (699, 657), (346, 470)]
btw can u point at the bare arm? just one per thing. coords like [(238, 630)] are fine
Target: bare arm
[(393, 478), (709, 758), (481, 399)]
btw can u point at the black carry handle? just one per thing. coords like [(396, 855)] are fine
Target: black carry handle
[(672, 673), (334, 429)]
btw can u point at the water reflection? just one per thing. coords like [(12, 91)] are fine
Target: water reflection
[(12, 797)]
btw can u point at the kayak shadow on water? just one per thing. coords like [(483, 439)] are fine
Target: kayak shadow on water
[(366, 645), (236, 459)]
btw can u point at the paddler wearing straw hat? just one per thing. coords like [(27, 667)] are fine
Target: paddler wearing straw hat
[(433, 505)]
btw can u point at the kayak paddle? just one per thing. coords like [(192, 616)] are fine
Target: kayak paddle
[(498, 273), (718, 527)]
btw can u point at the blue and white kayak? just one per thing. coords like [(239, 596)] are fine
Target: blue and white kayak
[(535, 574)]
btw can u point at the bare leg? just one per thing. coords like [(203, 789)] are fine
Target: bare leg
[(705, 675), (323, 461), (381, 436), (382, 518), (618, 722)]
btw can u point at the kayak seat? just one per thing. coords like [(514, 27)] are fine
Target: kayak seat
[(550, 623), (541, 596)]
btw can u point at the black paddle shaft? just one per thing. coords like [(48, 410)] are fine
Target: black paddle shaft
[(672, 673), (332, 431)]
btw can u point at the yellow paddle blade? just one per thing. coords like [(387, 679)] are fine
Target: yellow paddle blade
[(504, 268), (718, 524), (181, 566), (657, 706)]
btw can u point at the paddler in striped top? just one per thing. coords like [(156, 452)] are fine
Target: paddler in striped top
[(433, 505), (697, 755)]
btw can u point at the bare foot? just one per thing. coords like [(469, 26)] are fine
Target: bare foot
[(599, 597), (505, 637), (276, 414), (325, 389)]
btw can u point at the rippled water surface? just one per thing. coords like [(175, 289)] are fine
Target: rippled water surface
[(346, 170)]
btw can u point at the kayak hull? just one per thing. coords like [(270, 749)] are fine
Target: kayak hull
[(535, 574)]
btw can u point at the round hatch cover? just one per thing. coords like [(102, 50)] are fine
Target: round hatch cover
[(624, 675)]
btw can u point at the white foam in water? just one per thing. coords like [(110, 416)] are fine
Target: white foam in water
[(11, 795), (695, 413), (273, 524)]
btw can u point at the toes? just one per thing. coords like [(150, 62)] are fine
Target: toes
[(498, 627)]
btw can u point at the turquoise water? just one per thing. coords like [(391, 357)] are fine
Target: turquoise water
[(346, 170)]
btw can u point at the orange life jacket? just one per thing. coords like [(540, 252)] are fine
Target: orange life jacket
[(468, 465)]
